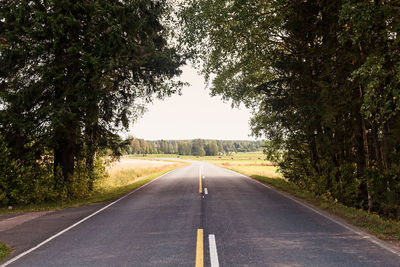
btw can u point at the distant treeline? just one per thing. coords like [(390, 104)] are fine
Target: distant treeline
[(196, 147)]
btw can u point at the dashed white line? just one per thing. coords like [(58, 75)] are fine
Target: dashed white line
[(213, 251), (205, 191)]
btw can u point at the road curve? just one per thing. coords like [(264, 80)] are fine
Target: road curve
[(242, 222)]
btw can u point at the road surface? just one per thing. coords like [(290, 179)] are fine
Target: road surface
[(234, 221)]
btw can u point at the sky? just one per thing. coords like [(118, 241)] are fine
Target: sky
[(194, 114)]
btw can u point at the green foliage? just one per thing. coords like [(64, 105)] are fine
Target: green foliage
[(29, 181), (4, 251), (198, 148), (72, 74), (211, 148), (323, 81)]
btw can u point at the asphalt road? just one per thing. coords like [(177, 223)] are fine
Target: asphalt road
[(252, 225)]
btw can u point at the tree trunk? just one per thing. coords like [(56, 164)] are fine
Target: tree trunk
[(66, 115), (91, 126), (64, 153), (366, 154)]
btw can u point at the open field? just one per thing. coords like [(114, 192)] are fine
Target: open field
[(247, 163), (127, 171)]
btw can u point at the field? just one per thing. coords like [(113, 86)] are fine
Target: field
[(246, 163), (250, 163), (128, 171)]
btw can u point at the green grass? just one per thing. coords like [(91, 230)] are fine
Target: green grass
[(111, 188), (269, 171), (4, 251)]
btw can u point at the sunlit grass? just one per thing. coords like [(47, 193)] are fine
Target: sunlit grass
[(120, 178), (4, 251), (122, 181), (269, 171)]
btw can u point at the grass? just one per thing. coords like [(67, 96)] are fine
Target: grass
[(4, 251), (248, 163), (269, 171), (118, 183)]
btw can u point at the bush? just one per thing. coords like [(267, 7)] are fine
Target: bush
[(28, 181)]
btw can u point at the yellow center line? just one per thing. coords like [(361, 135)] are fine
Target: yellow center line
[(199, 249), (200, 184)]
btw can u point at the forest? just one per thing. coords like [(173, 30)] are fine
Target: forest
[(196, 147)]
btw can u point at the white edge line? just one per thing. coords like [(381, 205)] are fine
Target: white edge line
[(205, 191), (213, 251), (77, 223), (364, 235)]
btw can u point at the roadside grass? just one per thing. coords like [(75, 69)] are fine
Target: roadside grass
[(269, 171), (120, 178), (4, 251), (115, 185)]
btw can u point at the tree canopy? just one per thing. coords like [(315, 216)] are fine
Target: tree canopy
[(72, 74), (323, 80)]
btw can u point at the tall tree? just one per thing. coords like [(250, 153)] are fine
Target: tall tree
[(75, 72), (322, 78)]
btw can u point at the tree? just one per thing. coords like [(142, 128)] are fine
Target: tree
[(74, 72), (135, 146), (212, 148), (322, 79), (198, 147)]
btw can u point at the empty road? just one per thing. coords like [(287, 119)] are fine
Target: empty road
[(203, 214)]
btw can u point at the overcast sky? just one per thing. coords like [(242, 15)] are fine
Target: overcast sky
[(194, 114)]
